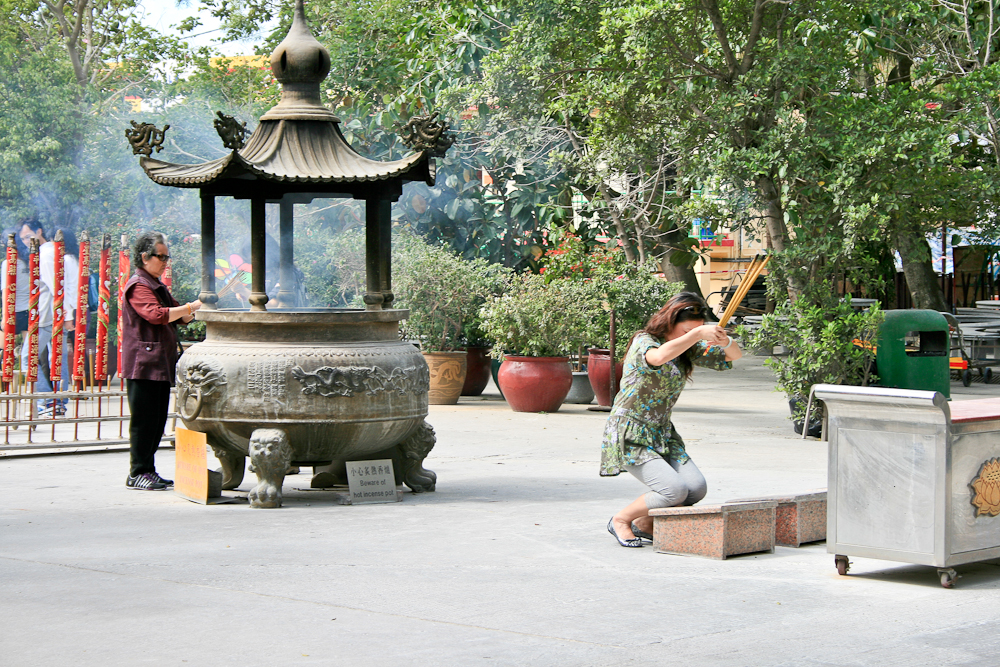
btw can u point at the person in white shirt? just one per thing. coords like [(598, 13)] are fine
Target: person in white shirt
[(71, 275), (21, 304)]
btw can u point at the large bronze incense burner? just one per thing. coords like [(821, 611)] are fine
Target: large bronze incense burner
[(291, 385)]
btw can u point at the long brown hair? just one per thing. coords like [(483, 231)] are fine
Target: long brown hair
[(683, 307)]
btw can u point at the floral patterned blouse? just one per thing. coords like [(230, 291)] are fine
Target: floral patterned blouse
[(639, 427)]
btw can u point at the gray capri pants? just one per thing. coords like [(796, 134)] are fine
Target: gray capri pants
[(670, 483)]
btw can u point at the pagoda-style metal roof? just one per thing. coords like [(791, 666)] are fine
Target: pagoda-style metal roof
[(292, 151), (298, 145)]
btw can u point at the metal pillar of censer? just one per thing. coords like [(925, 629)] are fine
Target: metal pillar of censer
[(290, 385)]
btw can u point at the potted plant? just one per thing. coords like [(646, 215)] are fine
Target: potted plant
[(492, 280), (442, 293), (628, 292), (539, 324), (827, 343)]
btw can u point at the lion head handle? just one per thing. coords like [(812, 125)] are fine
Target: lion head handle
[(201, 378)]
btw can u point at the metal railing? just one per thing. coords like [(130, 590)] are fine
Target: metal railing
[(94, 419)]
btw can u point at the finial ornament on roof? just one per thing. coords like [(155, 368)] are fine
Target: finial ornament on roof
[(300, 63), (144, 138), (425, 133), (300, 58), (232, 132)]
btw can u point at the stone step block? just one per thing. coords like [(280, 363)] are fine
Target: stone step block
[(800, 518), (715, 531)]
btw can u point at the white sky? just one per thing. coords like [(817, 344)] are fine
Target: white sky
[(161, 14)]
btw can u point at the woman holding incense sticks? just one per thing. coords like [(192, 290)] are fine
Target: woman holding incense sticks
[(640, 437), (149, 356)]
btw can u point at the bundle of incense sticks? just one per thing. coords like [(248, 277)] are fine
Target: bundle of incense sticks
[(231, 285), (34, 316), (100, 370), (124, 271), (748, 280), (58, 312), (9, 311), (79, 374)]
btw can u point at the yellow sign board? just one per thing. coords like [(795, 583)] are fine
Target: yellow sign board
[(191, 471)]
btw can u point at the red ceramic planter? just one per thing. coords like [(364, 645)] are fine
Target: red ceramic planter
[(477, 374), (598, 370), (535, 384)]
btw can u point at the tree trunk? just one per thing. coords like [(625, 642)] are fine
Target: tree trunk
[(774, 217), (680, 274), (777, 231), (619, 225), (924, 284)]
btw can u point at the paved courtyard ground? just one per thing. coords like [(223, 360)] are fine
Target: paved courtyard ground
[(507, 563)]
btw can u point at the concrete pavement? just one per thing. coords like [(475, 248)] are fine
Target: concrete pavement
[(507, 563)]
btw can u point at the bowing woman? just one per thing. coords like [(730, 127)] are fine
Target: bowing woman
[(640, 437)]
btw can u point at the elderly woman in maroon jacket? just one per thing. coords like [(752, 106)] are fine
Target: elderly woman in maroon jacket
[(149, 355)]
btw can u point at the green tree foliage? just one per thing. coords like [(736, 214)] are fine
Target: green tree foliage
[(810, 110), (840, 131)]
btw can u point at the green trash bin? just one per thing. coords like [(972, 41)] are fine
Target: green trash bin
[(914, 347)]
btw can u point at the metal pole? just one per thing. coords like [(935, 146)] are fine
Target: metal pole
[(373, 252), (385, 250), (258, 295), (613, 382), (208, 295), (286, 271), (944, 257)]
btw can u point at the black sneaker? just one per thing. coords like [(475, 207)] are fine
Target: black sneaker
[(161, 480), (147, 481)]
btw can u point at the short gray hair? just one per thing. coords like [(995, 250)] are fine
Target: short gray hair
[(146, 245)]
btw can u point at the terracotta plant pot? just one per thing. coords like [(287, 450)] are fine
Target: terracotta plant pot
[(447, 376), (598, 370), (477, 374), (535, 384)]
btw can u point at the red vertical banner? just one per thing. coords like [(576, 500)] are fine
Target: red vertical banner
[(103, 311), (58, 310), (124, 271), (10, 310), (168, 276), (34, 290), (83, 290)]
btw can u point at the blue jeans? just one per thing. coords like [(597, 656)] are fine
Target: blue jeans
[(44, 383)]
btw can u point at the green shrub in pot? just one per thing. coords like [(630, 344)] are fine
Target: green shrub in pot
[(827, 343), (534, 318), (442, 292)]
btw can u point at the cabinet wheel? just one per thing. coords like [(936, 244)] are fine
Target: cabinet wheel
[(843, 565), (948, 577)]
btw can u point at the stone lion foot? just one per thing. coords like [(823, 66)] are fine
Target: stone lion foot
[(233, 467), (415, 449), (270, 456)]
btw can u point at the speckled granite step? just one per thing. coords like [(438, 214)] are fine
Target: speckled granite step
[(800, 518), (715, 531)]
